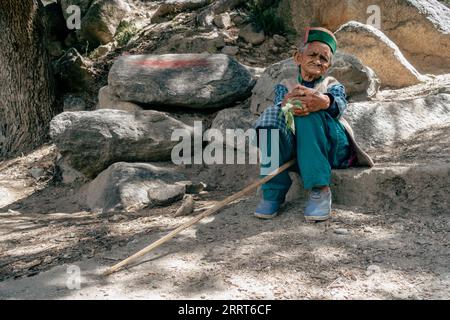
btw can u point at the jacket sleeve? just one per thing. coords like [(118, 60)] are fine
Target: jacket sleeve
[(280, 92), (338, 100)]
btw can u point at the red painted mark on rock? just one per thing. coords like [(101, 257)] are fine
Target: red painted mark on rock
[(172, 63)]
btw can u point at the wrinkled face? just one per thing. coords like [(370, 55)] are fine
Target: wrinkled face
[(315, 60)]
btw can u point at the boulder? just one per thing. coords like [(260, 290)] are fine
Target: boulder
[(361, 82), (234, 118), (376, 51), (263, 94), (180, 80), (379, 124), (420, 28), (90, 141), (133, 186), (100, 23), (189, 42), (251, 35), (107, 100)]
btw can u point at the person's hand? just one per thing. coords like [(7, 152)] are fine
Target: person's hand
[(312, 101)]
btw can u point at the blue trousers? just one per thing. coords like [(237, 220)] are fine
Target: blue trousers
[(321, 144)]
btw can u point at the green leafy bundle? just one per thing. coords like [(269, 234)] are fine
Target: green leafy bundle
[(288, 112)]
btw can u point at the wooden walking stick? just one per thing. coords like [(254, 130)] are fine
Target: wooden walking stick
[(208, 212)]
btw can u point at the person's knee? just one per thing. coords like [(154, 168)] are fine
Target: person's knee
[(313, 116), (310, 120)]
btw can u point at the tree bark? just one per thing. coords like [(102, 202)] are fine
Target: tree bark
[(27, 95)]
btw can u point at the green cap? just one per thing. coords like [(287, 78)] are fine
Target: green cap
[(322, 35)]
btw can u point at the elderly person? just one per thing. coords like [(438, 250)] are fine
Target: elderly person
[(322, 139)]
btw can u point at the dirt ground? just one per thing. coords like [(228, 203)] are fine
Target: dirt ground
[(359, 254)]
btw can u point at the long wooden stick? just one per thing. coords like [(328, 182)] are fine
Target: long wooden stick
[(196, 219)]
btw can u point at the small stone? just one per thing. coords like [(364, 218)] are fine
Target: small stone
[(103, 50), (37, 172), (187, 207), (238, 20), (223, 20), (341, 231), (378, 259), (279, 40), (251, 35), (230, 50), (372, 269), (117, 217), (48, 259), (32, 264), (193, 188)]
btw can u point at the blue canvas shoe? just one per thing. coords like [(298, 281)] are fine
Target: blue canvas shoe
[(318, 207), (267, 209)]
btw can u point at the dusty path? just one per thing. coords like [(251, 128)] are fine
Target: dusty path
[(233, 255)]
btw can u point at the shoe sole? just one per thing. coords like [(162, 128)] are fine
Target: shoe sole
[(266, 216), (317, 218), (271, 216)]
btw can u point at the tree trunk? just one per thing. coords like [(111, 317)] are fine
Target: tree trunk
[(26, 84)]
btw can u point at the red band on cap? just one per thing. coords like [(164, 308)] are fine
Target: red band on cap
[(306, 35)]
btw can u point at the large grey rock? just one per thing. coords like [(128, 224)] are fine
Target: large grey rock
[(100, 23), (378, 52), (381, 123), (232, 119), (133, 186), (395, 187), (91, 141), (192, 42), (263, 94), (421, 28), (183, 80), (361, 82), (107, 100)]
